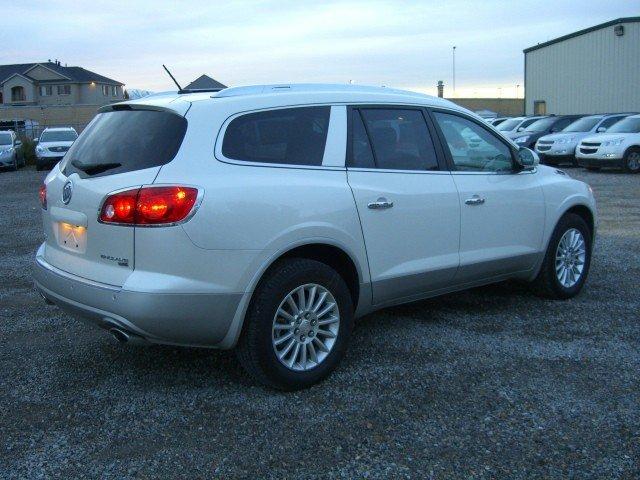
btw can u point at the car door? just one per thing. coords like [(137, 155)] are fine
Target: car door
[(406, 199), (502, 208)]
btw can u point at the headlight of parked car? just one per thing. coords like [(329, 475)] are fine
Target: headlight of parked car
[(613, 143), (522, 139), (40, 149)]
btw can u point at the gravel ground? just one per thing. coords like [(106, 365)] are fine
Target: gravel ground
[(490, 383)]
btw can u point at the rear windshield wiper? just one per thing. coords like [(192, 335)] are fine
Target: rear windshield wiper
[(95, 168)]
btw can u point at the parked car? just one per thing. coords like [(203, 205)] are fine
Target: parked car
[(544, 126), (619, 147), (560, 147), (497, 121), (515, 125), (53, 144), (11, 152), (267, 218)]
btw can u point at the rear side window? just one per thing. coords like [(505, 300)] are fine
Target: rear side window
[(400, 139), (127, 140), (291, 136)]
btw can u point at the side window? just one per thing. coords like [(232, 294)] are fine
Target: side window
[(361, 154), (473, 148), (400, 139), (607, 122), (292, 136)]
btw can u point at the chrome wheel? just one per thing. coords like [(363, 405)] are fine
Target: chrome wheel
[(633, 161), (570, 258), (305, 327)]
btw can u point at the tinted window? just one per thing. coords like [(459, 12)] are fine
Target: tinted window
[(562, 124), (606, 123), (122, 141), (528, 122), (541, 125), (472, 147), (400, 139), (361, 154), (293, 136), (583, 124), (61, 136), (509, 125)]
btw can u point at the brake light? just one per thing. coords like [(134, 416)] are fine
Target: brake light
[(149, 205), (42, 195)]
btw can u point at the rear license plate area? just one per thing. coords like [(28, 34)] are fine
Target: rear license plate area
[(72, 237)]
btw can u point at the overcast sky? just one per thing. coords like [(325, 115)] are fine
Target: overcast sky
[(403, 44)]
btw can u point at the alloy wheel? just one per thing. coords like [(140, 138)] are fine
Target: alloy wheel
[(305, 327), (570, 258)]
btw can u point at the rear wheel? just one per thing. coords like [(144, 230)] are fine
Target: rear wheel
[(632, 160), (298, 325), (14, 167), (566, 263)]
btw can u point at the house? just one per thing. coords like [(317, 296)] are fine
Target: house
[(204, 82), (50, 83)]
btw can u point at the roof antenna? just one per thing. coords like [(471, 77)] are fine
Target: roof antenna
[(174, 80)]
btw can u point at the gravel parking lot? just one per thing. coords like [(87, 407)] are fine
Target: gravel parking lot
[(489, 383)]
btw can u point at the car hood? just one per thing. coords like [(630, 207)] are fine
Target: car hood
[(564, 135), (55, 144), (603, 137)]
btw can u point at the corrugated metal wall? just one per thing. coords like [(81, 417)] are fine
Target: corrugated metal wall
[(592, 73)]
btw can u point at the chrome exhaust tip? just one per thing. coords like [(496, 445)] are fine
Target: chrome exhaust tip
[(119, 335), (123, 336), (46, 300)]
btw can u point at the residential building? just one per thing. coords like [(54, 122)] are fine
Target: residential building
[(51, 83)]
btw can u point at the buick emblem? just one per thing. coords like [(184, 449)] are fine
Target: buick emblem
[(67, 191)]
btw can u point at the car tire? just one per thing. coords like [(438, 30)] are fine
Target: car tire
[(261, 348), (570, 233), (631, 162), (14, 167)]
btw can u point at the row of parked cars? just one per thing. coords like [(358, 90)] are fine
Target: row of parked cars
[(50, 147), (591, 141)]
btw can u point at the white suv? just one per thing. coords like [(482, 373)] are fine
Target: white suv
[(619, 147), (267, 218), (53, 144)]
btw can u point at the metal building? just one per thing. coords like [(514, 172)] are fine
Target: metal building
[(595, 70)]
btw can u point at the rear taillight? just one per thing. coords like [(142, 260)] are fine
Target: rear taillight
[(42, 195), (149, 205)]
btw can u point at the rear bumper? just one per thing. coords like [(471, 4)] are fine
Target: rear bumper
[(176, 318)]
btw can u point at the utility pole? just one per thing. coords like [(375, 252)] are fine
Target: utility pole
[(517, 90), (454, 70)]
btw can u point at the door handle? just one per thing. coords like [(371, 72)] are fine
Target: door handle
[(380, 204), (475, 200)]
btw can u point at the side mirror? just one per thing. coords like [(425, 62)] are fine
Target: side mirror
[(35, 141), (601, 129), (18, 143), (527, 159), (520, 129)]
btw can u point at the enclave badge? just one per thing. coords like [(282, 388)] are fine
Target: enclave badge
[(67, 191)]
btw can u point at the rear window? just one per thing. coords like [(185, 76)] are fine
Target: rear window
[(127, 140), (291, 136)]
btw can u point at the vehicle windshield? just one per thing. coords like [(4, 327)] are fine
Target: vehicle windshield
[(542, 125), (582, 125), (5, 139), (628, 125), (509, 125), (59, 136)]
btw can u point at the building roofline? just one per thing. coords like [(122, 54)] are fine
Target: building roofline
[(46, 68), (29, 79), (582, 32)]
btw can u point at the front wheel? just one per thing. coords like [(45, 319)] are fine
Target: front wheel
[(631, 160), (298, 325), (566, 263)]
